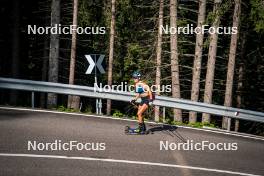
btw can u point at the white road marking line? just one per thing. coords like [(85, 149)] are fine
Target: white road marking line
[(125, 162), (131, 120)]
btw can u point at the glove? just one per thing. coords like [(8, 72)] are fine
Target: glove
[(133, 101), (150, 102)]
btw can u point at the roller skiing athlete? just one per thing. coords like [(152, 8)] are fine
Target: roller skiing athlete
[(144, 93)]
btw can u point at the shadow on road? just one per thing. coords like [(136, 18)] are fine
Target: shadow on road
[(168, 130), (11, 115)]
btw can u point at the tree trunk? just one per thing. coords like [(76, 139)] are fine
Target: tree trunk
[(159, 51), (197, 59), (241, 71), (44, 71), (73, 101), (175, 59), (231, 63), (239, 89), (45, 62), (111, 52), (209, 82), (15, 48), (54, 52)]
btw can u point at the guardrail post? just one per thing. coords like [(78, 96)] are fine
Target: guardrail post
[(32, 100), (228, 124), (80, 108), (100, 106), (97, 106), (164, 114)]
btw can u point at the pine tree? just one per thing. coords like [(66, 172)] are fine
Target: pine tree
[(197, 63), (54, 52), (231, 63), (73, 101), (159, 55), (209, 82), (15, 47), (175, 80), (111, 52)]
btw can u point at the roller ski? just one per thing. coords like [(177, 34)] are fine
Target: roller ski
[(140, 130), (135, 131)]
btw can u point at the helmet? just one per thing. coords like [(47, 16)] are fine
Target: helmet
[(136, 75)]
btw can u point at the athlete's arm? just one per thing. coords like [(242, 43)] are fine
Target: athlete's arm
[(137, 96), (150, 93), (135, 99)]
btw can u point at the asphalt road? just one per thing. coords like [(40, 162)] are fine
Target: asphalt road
[(123, 155)]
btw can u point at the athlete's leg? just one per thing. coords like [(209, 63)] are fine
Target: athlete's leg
[(141, 110), (138, 129), (139, 118)]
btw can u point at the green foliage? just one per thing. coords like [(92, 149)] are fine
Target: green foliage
[(223, 8), (65, 109), (83, 14), (118, 114), (257, 15), (212, 125), (89, 13), (195, 125), (132, 58), (259, 129), (133, 40), (134, 117), (88, 110)]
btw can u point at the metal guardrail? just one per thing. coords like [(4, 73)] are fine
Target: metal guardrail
[(49, 87)]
